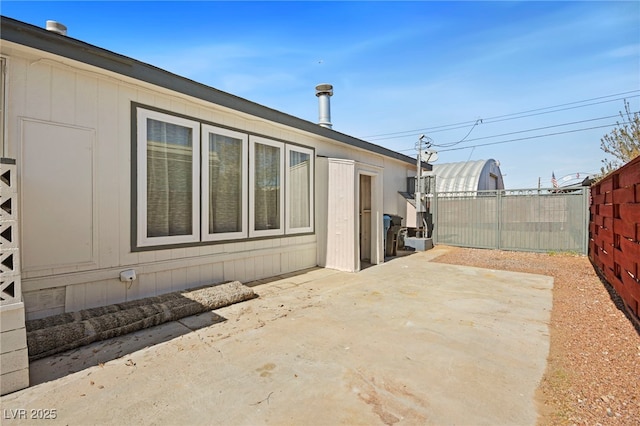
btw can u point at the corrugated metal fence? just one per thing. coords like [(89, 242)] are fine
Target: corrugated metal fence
[(614, 246), (539, 220)]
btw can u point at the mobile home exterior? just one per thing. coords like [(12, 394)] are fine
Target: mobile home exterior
[(120, 165)]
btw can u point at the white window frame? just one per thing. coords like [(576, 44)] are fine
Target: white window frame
[(310, 152), (253, 140), (206, 131), (142, 239)]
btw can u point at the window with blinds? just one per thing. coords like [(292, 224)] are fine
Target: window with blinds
[(168, 179), (198, 183), (266, 197), (299, 169), (224, 184)]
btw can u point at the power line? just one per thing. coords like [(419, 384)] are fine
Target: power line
[(530, 137), (572, 103), (448, 127), (446, 145), (478, 121), (504, 117), (564, 109), (488, 120), (450, 144)]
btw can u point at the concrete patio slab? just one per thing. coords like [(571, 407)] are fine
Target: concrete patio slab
[(406, 342)]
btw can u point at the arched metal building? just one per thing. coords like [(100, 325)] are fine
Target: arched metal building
[(480, 175)]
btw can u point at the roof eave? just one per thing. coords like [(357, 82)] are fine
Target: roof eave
[(68, 47)]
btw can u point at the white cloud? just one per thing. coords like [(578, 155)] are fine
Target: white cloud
[(630, 50)]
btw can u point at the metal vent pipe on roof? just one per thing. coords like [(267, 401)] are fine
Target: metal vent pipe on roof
[(56, 27), (324, 91)]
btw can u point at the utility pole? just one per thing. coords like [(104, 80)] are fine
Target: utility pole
[(418, 195), (417, 191)]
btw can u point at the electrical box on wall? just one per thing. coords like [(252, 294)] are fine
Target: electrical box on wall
[(128, 276)]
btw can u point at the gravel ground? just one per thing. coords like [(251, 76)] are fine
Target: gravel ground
[(593, 373)]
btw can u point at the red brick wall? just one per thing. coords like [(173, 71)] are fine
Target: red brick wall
[(614, 231)]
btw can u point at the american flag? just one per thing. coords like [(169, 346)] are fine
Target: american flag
[(554, 182)]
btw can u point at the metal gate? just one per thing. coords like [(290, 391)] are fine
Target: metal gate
[(541, 220)]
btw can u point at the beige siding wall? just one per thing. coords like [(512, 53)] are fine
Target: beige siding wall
[(58, 217), (69, 128), (91, 245), (395, 180)]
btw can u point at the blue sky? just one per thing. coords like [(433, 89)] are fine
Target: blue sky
[(400, 69)]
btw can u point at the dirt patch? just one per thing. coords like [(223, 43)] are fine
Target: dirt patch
[(593, 370)]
